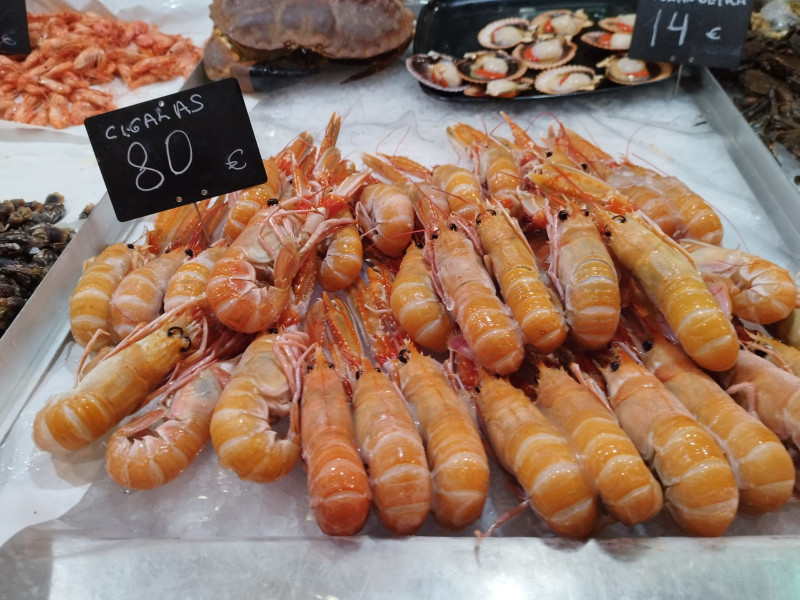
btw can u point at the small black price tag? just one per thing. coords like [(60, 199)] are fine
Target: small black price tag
[(177, 149), (14, 27), (697, 32)]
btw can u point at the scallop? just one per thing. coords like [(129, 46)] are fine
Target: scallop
[(567, 80), (500, 88), (563, 22), (607, 40), (488, 65), (630, 71), (619, 24), (437, 71), (505, 33), (546, 53)]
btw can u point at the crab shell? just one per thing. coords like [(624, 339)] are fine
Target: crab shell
[(251, 31), (617, 42), (561, 21), (619, 24), (546, 53), (488, 65), (500, 88), (629, 71), (437, 71), (505, 33), (567, 80)]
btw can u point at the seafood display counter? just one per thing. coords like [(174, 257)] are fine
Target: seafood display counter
[(69, 531)]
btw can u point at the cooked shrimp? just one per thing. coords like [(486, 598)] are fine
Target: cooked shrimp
[(458, 463), (139, 297), (767, 390), (492, 334), (625, 484), (778, 353), (511, 261), (337, 482), (761, 291), (763, 468), (676, 288), (530, 447), (177, 227), (699, 486), (258, 394), (90, 305), (585, 273), (190, 279), (156, 447), (115, 387), (386, 215), (416, 305)]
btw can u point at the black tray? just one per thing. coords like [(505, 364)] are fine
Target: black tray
[(451, 27)]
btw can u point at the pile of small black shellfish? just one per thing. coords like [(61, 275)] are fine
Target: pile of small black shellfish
[(30, 243), (519, 55)]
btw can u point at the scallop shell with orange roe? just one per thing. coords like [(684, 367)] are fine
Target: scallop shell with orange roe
[(546, 52), (567, 80), (616, 42), (561, 21), (488, 65), (505, 33), (624, 70), (619, 24), (437, 71)]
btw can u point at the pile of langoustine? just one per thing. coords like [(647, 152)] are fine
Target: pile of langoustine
[(72, 52), (573, 292)]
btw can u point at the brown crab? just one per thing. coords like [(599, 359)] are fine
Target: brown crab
[(301, 33)]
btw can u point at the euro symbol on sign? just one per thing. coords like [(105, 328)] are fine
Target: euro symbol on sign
[(713, 34), (233, 163)]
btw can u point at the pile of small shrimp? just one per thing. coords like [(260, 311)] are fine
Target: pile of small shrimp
[(573, 313), (71, 52)]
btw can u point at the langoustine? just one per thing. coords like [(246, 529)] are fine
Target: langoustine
[(154, 448), (530, 447), (762, 466), (458, 462), (117, 385), (258, 394), (699, 486), (625, 484)]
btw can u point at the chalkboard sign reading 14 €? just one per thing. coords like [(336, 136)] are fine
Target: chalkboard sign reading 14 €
[(699, 32), (177, 149), (14, 27)]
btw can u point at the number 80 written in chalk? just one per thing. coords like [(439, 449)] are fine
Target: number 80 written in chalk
[(673, 25), (179, 160)]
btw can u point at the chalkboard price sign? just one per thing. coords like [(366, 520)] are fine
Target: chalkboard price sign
[(698, 32), (14, 27), (177, 149)]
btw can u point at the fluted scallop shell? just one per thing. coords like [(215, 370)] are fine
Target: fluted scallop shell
[(561, 21), (488, 65), (630, 71), (505, 33), (567, 80), (500, 88), (619, 23), (437, 71), (616, 42), (546, 53)]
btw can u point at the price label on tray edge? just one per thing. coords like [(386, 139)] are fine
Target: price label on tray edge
[(177, 149), (696, 32)]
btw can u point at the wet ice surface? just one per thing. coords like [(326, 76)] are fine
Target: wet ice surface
[(386, 113)]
